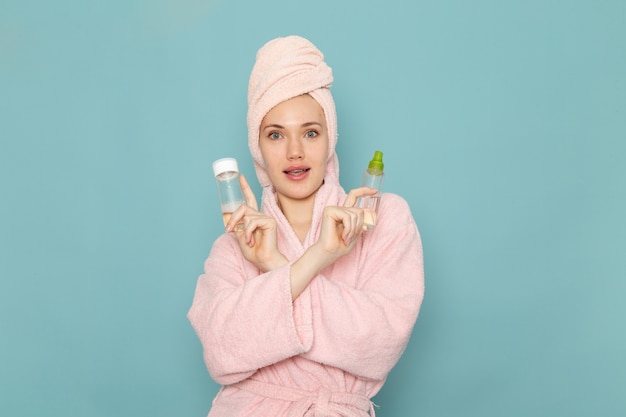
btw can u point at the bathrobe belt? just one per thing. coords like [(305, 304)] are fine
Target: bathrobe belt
[(323, 402)]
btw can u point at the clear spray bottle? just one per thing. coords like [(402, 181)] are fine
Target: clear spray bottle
[(226, 171), (373, 177)]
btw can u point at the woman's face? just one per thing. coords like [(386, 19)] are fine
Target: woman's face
[(293, 140)]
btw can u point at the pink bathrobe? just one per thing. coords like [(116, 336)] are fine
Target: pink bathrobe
[(328, 352)]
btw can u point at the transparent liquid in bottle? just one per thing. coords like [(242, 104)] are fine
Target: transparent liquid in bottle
[(229, 188), (369, 204)]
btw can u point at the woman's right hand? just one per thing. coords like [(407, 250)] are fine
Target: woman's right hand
[(256, 233)]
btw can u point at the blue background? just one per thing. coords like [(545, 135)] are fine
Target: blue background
[(503, 124)]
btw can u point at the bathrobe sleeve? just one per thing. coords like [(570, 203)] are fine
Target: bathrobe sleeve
[(365, 306), (244, 319)]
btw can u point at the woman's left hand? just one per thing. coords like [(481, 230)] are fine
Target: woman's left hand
[(341, 226)]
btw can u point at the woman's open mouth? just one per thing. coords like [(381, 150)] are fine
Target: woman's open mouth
[(297, 173)]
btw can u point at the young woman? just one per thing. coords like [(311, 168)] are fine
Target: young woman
[(302, 312)]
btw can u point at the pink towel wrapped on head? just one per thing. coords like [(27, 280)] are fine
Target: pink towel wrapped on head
[(286, 68), (328, 352)]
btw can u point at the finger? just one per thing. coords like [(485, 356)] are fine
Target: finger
[(356, 225), (252, 226), (355, 193), (236, 219), (347, 233), (345, 220), (251, 241), (241, 231), (256, 223), (240, 234), (248, 193)]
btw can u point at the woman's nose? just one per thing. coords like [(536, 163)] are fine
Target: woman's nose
[(294, 149)]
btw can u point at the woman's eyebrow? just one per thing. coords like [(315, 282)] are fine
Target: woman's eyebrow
[(277, 126), (273, 126)]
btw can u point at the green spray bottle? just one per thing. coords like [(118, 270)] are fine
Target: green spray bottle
[(373, 177)]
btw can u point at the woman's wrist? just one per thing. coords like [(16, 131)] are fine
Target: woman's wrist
[(276, 262), (309, 265)]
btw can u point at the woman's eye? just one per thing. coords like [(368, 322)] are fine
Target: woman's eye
[(311, 134), (274, 135)]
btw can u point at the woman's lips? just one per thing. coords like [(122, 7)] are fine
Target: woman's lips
[(297, 173)]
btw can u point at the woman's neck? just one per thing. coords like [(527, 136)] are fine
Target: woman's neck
[(299, 214)]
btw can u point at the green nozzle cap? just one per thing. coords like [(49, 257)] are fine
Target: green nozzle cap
[(377, 161)]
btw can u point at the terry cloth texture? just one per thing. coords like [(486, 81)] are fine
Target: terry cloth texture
[(336, 342)]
